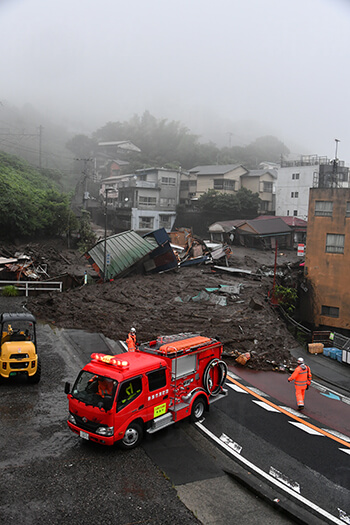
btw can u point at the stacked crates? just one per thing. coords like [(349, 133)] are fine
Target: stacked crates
[(333, 353)]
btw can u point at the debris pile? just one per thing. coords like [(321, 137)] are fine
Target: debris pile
[(41, 261), (231, 307)]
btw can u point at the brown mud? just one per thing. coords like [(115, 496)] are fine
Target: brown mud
[(164, 303)]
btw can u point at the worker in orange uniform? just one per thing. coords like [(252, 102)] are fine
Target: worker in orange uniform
[(105, 387), (131, 340), (302, 380)]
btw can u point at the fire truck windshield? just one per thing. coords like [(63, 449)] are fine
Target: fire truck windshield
[(95, 390)]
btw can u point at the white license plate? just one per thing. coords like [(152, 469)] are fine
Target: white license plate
[(84, 435)]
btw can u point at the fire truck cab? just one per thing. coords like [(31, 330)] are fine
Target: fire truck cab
[(119, 398)]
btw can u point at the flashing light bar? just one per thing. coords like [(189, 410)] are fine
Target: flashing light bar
[(110, 360)]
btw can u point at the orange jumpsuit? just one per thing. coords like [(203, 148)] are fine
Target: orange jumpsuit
[(302, 379), (105, 388), (131, 342)]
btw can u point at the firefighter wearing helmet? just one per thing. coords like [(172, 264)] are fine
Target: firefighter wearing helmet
[(131, 340), (302, 380)]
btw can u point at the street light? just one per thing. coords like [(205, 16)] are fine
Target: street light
[(105, 247)]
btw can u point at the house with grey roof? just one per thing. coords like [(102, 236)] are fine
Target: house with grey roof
[(222, 178), (264, 234), (229, 178)]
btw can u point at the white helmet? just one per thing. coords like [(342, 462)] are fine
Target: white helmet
[(300, 360), (133, 329)]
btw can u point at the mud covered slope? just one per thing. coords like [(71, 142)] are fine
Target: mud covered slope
[(182, 301)]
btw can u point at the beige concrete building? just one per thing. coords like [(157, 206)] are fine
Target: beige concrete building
[(262, 182)]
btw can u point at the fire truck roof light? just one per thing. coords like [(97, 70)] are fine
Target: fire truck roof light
[(110, 360)]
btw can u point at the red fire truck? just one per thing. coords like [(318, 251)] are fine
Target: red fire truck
[(118, 398)]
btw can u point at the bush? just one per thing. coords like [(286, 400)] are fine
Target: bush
[(10, 291), (287, 298)]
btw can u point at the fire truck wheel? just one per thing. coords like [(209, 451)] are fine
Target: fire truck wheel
[(132, 437), (198, 409)]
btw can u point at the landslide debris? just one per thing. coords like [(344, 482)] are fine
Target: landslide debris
[(187, 300)]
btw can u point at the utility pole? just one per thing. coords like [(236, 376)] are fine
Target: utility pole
[(335, 166), (40, 139), (105, 243), (85, 172), (336, 148), (229, 138)]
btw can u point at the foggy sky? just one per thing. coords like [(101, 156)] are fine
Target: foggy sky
[(229, 70)]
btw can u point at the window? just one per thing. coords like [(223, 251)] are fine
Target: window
[(188, 185), (295, 175), (264, 205), (294, 194), (268, 186), (146, 222), (129, 391), (156, 380), (164, 221), (295, 213), (166, 202), (147, 201), (348, 209), (224, 184), (287, 213), (324, 208), (335, 243), (169, 181), (330, 311)]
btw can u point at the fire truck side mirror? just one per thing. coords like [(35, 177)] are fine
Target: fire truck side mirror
[(67, 388)]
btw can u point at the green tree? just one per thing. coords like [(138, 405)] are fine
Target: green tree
[(81, 146), (87, 238), (30, 203), (243, 202)]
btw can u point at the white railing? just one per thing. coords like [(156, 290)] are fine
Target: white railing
[(49, 286)]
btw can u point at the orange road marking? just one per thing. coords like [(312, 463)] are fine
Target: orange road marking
[(321, 431)]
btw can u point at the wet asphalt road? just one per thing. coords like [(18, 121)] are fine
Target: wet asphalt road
[(49, 476)]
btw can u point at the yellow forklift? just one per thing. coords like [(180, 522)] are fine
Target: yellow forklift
[(18, 351)]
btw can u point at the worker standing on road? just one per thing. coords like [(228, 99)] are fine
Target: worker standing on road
[(302, 380), (131, 340)]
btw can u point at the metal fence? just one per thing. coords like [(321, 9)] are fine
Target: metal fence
[(27, 286), (328, 338)]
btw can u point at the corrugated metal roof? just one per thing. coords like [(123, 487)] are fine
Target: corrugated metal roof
[(123, 251)]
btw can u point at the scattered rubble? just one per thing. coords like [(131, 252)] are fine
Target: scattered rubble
[(232, 307)]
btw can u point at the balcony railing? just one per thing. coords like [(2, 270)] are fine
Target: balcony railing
[(138, 184)]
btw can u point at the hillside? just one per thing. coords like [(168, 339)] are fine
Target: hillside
[(30, 202)]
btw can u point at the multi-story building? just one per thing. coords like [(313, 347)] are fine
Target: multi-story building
[(147, 200), (325, 300), (229, 179), (262, 182), (295, 178), (224, 178)]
